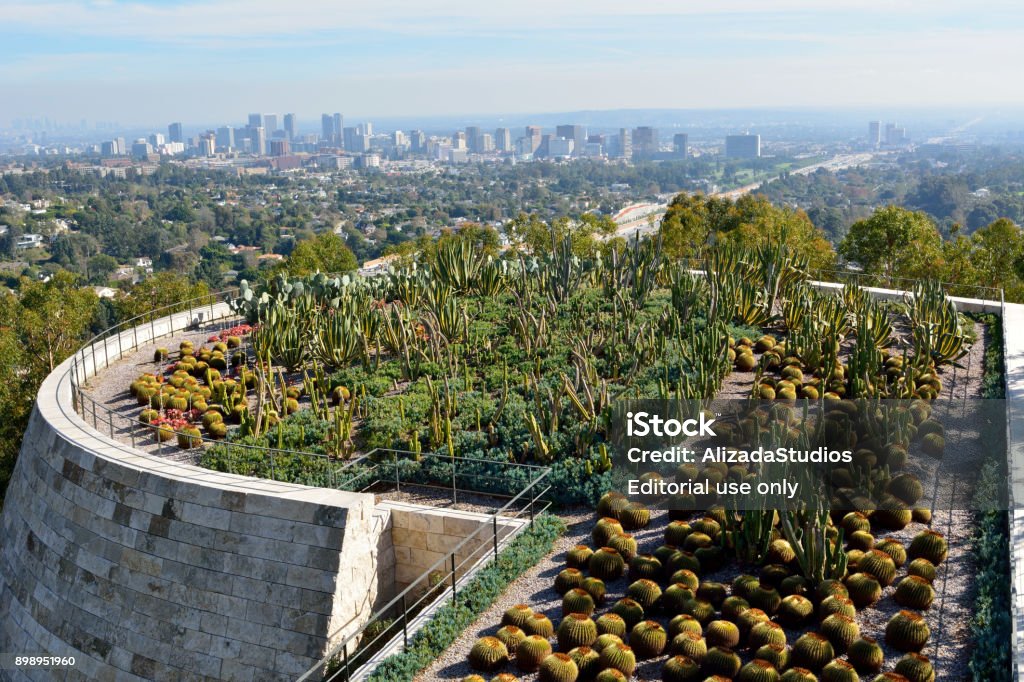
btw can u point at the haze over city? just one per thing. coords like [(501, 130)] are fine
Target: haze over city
[(149, 62)]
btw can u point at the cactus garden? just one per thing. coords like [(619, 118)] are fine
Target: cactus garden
[(527, 359)]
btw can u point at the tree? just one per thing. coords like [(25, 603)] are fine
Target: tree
[(54, 316), (326, 253), (159, 291), (100, 267), (895, 242)]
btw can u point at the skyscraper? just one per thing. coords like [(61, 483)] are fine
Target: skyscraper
[(256, 120), (339, 127), (576, 133), (473, 138), (645, 141), (225, 139), (289, 126), (326, 128), (874, 133), (258, 139), (625, 143), (533, 138), (459, 140), (270, 123), (279, 148), (503, 139), (744, 146), (681, 143), (174, 133)]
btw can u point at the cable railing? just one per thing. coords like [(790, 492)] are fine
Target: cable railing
[(402, 616)]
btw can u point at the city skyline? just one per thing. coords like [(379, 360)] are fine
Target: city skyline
[(145, 61)]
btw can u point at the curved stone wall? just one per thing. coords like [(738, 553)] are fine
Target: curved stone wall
[(142, 568)]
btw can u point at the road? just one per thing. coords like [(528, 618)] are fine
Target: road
[(637, 217)]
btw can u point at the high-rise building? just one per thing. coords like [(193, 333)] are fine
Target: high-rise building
[(156, 139), (174, 133), (874, 133), (576, 133), (256, 120), (207, 144), (109, 148), (681, 144), (533, 139), (122, 148), (744, 146), (418, 141), (289, 126), (326, 127), (895, 134), (485, 143), (503, 139), (560, 146), (645, 141), (339, 127), (625, 143), (225, 139), (367, 128), (270, 123), (279, 147), (473, 138), (141, 149), (398, 139), (355, 140), (459, 140), (258, 140)]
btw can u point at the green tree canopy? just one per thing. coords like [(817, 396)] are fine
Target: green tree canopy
[(895, 242), (325, 253)]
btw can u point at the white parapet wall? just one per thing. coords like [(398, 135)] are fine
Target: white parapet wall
[(146, 569)]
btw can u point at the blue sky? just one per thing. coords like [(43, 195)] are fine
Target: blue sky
[(211, 61)]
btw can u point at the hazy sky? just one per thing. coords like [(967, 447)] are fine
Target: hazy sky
[(214, 60)]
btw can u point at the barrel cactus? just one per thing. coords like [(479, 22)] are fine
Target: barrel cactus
[(576, 629), (733, 606), (722, 661), (865, 589), (577, 600), (620, 657), (611, 623), (473, 678), (645, 592), (798, 675), (610, 675), (841, 631), (558, 668), (701, 610), (604, 529), (689, 644), (914, 592), (766, 632), (624, 544), (610, 503), (916, 668), (895, 549), (831, 587), (531, 651), (836, 604), (676, 532), (684, 622), (595, 587), (686, 578), (606, 564), (606, 640), (743, 584), (776, 654), (722, 633), (578, 556), (676, 596), (795, 610), (635, 516), (680, 669), (539, 624), (648, 639), (930, 545), (645, 566), (680, 560), (839, 671), (712, 592), (517, 615), (488, 654), (865, 654), (907, 631), (587, 660), (629, 610), (812, 651), (923, 569), (749, 618), (878, 564), (767, 599), (758, 670), (568, 579), (510, 636)]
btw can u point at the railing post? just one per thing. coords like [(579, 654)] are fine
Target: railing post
[(273, 473), (120, 351), (344, 654), (110, 418), (405, 625), (455, 594), (398, 479), (494, 520), (135, 337)]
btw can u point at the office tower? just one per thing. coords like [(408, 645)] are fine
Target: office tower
[(367, 128), (459, 140), (279, 147), (486, 143), (559, 146), (174, 133), (122, 148), (339, 126), (270, 123), (645, 141), (258, 140), (874, 133), (156, 139), (418, 141), (326, 128), (355, 140), (141, 149), (625, 143), (681, 143), (398, 139), (225, 139), (109, 148), (744, 146), (895, 134), (289, 126), (473, 138), (533, 138), (503, 139), (256, 120), (576, 133), (207, 144)]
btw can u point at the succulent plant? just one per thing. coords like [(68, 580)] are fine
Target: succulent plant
[(795, 610), (861, 540), (767, 599), (776, 654), (611, 623), (607, 639), (635, 516), (488, 654), (510, 636), (865, 654), (712, 592), (893, 514), (648, 639), (587, 660), (575, 630), (189, 437), (645, 592), (749, 618), (895, 549), (517, 615), (766, 632), (539, 624), (831, 587), (839, 671), (906, 487), (595, 588), (473, 678), (604, 529), (841, 631), (722, 633), (558, 668), (644, 566), (742, 584), (933, 444), (812, 651), (923, 568), (689, 644), (836, 604), (930, 545), (568, 579), (610, 502), (856, 521), (914, 592), (687, 578), (620, 657), (680, 668), (878, 564), (916, 668), (732, 607), (676, 596), (758, 670), (699, 609), (531, 651), (676, 532), (794, 584), (696, 540), (578, 556), (577, 600), (606, 564), (610, 675), (907, 631), (798, 675), (624, 544), (865, 589), (160, 354), (922, 515), (684, 622), (629, 610), (680, 560), (721, 661)]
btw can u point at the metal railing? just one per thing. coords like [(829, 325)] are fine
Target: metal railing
[(402, 616)]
